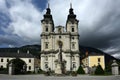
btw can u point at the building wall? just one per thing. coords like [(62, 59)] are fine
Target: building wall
[(85, 61), (93, 60), (30, 65), (53, 57)]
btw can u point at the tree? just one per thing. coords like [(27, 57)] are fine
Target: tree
[(80, 70), (99, 70)]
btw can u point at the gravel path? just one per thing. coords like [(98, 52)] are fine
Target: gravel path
[(42, 77)]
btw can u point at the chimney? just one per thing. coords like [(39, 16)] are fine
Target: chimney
[(18, 51), (86, 53), (28, 51)]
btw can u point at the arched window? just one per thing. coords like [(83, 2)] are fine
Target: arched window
[(74, 66), (73, 58), (46, 29), (59, 37), (73, 45), (46, 65), (73, 29), (46, 45), (46, 58)]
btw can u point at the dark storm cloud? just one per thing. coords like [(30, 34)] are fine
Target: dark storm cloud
[(106, 32), (9, 40), (98, 27)]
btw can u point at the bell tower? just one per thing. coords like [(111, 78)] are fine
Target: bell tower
[(72, 22), (47, 22)]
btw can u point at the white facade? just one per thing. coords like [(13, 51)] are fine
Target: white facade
[(30, 62), (69, 38)]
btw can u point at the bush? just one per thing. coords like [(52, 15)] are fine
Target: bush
[(40, 71), (99, 70), (108, 70), (80, 70), (68, 73), (3, 71), (47, 73)]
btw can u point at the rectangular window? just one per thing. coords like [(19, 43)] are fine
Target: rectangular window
[(1, 60), (98, 59), (29, 67), (29, 60), (7, 60)]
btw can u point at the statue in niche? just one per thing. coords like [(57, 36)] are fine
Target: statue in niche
[(60, 51)]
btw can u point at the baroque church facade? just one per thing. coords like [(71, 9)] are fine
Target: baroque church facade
[(60, 45)]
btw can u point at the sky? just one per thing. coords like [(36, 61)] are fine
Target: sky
[(99, 22)]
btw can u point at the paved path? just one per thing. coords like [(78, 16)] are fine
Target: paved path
[(42, 77)]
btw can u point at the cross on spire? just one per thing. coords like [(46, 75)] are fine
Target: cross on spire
[(70, 5), (48, 5), (48, 9)]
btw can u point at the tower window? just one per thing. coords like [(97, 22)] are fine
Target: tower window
[(73, 38), (46, 45), (55, 65), (46, 37), (46, 58), (73, 45), (59, 37), (72, 29), (46, 29), (73, 58)]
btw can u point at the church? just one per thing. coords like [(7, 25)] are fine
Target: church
[(60, 44)]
